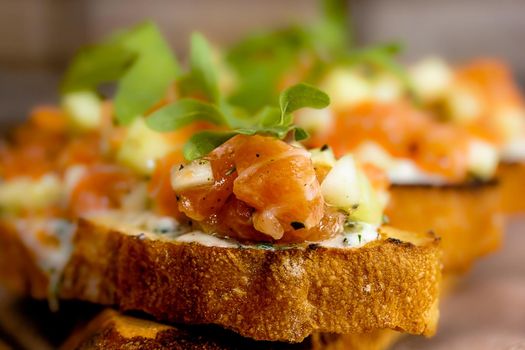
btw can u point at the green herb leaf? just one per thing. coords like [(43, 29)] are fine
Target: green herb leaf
[(279, 131), (300, 96), (204, 142), (95, 65), (148, 79), (139, 59), (202, 72), (260, 62), (374, 54), (300, 134), (183, 112), (268, 116), (269, 121), (332, 36)]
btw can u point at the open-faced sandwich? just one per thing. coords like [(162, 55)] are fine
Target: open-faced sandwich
[(482, 97), (168, 200), (442, 176)]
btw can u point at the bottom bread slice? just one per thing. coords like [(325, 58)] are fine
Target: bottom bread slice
[(112, 330), (264, 294), (467, 217), (512, 179)]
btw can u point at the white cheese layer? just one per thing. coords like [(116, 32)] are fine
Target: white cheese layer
[(50, 258), (355, 237), (400, 171), (407, 172), (153, 227), (206, 240), (482, 160)]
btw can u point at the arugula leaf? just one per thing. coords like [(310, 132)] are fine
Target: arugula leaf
[(95, 65), (373, 54), (202, 73), (260, 62), (278, 131), (204, 142), (146, 82), (300, 96), (332, 35), (184, 112), (272, 121), (139, 60)]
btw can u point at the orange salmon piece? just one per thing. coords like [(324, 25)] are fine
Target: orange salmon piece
[(263, 190), (102, 187), (279, 181), (404, 132)]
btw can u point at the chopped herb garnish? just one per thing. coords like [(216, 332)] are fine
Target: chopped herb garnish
[(231, 171), (161, 230), (386, 219), (345, 241), (359, 238), (297, 225), (265, 246)]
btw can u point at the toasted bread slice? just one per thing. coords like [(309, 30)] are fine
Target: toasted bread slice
[(113, 330), (4, 346), (275, 295), (512, 178), (18, 269), (467, 217), (389, 283)]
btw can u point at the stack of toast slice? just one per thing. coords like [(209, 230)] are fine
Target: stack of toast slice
[(267, 295)]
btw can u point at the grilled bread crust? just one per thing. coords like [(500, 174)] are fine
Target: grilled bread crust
[(274, 295), (112, 330), (467, 217), (18, 269), (512, 178)]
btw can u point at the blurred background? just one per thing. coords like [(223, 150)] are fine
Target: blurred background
[(38, 37)]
